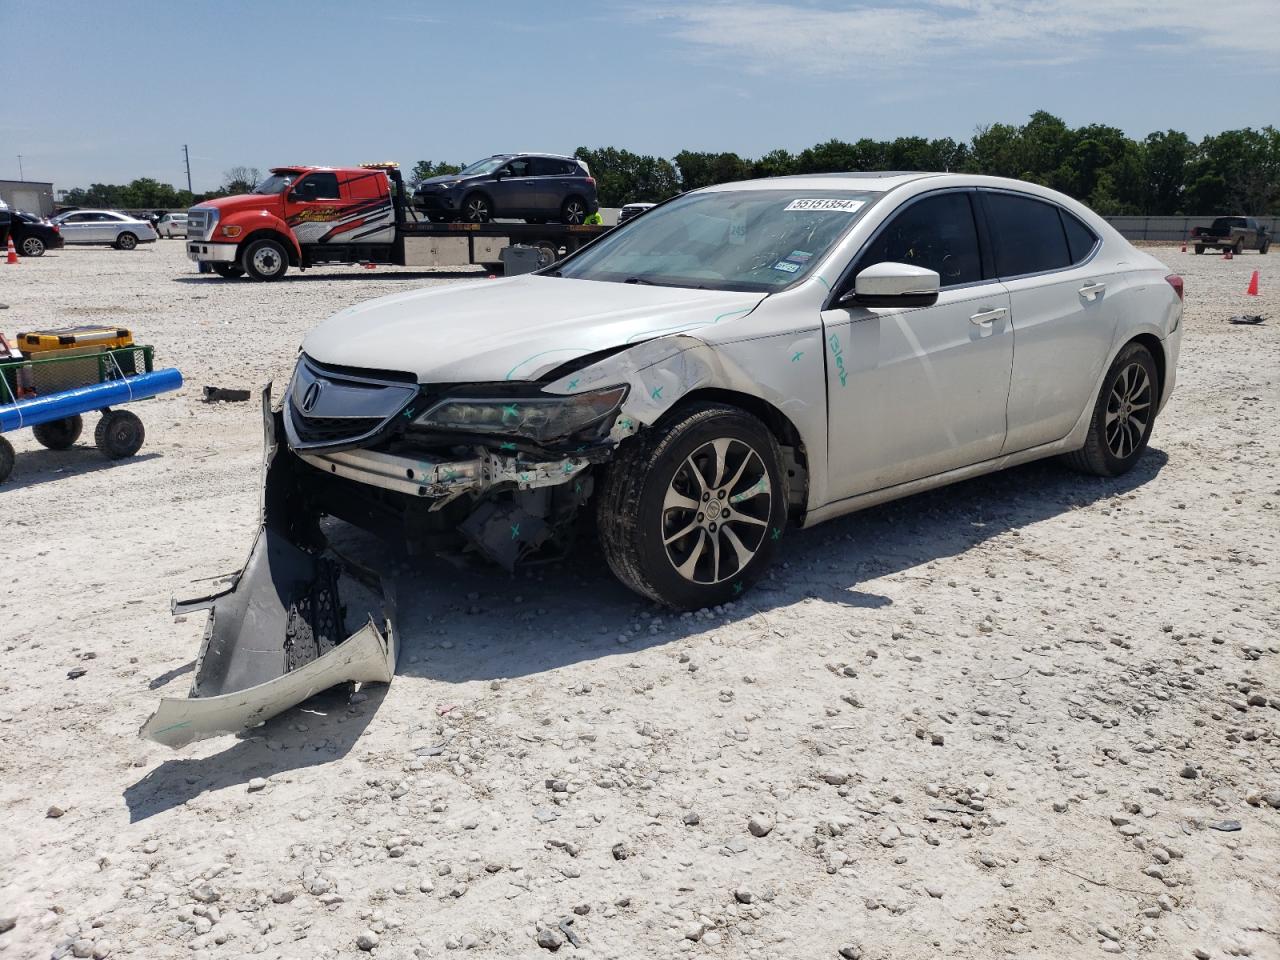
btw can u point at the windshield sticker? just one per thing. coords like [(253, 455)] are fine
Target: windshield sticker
[(786, 266), (738, 232), (818, 203), (798, 256)]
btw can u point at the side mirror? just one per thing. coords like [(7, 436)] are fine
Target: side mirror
[(499, 174), (893, 285)]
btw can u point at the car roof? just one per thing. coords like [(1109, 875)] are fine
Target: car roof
[(875, 181)]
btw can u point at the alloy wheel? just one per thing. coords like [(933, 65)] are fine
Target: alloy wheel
[(1128, 410), (32, 247), (715, 514)]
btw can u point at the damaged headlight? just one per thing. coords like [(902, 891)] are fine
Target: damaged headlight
[(541, 418)]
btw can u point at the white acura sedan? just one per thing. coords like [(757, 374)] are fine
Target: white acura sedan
[(739, 362)]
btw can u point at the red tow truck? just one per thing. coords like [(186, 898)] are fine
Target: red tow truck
[(305, 216)]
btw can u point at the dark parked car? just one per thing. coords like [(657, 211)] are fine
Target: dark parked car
[(1236, 234), (534, 186), (32, 235)]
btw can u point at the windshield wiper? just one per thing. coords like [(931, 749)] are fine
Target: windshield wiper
[(640, 280)]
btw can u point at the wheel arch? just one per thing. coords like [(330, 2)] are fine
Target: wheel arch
[(795, 452), (1156, 348), (289, 243)]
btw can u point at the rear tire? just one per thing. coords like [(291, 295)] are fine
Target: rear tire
[(1238, 248), (1123, 415), (1199, 248), (119, 434), (59, 434), (1265, 247), (264, 259), (227, 270), (32, 247), (6, 459), (689, 514), (126, 241), (573, 210)]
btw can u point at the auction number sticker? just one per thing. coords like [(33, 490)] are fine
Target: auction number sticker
[(830, 203)]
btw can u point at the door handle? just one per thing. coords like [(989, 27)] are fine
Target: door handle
[(983, 317), (1091, 291)]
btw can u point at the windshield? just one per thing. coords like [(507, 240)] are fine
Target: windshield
[(480, 167), (752, 240), (276, 183)]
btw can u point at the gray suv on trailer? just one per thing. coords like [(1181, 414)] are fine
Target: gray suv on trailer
[(532, 186)]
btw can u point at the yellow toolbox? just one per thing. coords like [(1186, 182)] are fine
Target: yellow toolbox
[(67, 338)]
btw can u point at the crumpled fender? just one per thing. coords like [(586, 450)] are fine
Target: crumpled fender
[(277, 634)]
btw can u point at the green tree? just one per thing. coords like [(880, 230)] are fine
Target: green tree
[(426, 169), (625, 177)]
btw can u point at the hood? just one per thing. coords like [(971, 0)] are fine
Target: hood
[(242, 201), (442, 179), (512, 329)]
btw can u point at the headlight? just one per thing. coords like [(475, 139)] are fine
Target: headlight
[(232, 231), (540, 418)]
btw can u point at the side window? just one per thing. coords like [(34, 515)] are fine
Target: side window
[(1080, 239), (1028, 235), (937, 233), (543, 167), (519, 168), (324, 184)]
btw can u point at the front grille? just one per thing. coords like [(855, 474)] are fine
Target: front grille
[(198, 223), (330, 429)]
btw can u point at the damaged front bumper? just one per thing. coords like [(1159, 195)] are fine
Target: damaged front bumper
[(279, 633)]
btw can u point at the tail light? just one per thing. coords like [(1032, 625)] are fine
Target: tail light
[(591, 180), (1175, 281), (56, 228)]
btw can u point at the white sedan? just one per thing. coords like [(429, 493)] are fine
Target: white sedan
[(172, 225), (105, 226), (739, 362)]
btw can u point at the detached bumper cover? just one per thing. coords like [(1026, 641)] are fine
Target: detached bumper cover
[(277, 635)]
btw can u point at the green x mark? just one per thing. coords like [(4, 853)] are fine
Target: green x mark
[(656, 393), (798, 355), (507, 446), (524, 478), (737, 588), (573, 384), (515, 530), (777, 533), (625, 423), (511, 410)]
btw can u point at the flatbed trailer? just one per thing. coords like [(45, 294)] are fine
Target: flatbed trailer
[(323, 215)]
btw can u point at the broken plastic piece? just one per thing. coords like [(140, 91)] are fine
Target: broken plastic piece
[(214, 394), (276, 636)]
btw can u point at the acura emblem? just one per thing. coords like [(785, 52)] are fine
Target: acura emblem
[(312, 395)]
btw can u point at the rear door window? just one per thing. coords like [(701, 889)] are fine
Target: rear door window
[(937, 233), (1080, 239), (1027, 233)]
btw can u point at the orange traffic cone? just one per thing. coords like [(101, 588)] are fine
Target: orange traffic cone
[(12, 256), (1184, 244), (1253, 285)]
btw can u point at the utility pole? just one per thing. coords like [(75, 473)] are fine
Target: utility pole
[(187, 154), (20, 176)]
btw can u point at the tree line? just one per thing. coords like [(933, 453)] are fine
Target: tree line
[(1165, 173)]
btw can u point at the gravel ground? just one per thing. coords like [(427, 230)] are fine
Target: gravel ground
[(1034, 714)]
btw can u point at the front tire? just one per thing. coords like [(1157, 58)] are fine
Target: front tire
[(1123, 415), (126, 241), (265, 259), (476, 208), (33, 247), (690, 513), (1199, 248), (1265, 247), (59, 434), (119, 434), (1238, 249)]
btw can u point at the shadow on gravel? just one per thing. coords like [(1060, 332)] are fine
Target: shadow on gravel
[(458, 625), (34, 467), (332, 725), (463, 625), (362, 275)]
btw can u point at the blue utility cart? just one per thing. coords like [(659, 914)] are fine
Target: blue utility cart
[(50, 396)]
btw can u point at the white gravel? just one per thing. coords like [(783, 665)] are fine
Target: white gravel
[(1015, 717)]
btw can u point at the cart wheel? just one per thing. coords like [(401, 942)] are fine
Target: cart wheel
[(59, 434), (6, 459), (119, 434)]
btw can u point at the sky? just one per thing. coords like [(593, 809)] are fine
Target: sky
[(105, 92)]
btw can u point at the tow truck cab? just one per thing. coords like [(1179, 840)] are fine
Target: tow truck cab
[(299, 216)]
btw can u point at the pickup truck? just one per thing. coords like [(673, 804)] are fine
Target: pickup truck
[(1231, 233)]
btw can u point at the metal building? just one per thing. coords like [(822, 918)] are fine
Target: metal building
[(29, 195)]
